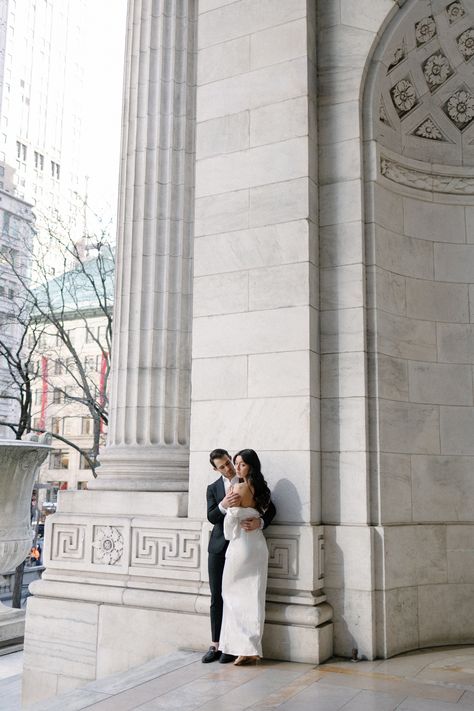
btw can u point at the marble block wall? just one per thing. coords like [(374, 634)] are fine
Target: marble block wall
[(255, 373)]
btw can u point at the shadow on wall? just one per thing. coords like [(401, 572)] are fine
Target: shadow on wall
[(287, 501)]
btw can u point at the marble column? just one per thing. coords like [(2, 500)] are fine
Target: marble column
[(148, 438)]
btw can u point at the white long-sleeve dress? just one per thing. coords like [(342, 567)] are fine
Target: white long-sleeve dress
[(244, 585)]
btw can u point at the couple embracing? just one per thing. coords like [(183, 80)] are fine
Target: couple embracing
[(239, 507)]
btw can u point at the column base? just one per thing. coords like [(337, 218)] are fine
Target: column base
[(140, 468), (104, 636), (123, 585)]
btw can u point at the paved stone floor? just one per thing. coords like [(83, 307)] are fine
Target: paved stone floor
[(430, 680)]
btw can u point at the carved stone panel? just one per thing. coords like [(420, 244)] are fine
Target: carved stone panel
[(68, 542), (425, 96), (164, 549)]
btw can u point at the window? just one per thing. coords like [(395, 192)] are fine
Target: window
[(82, 484), (36, 423), (6, 222), (101, 331), (21, 151), (58, 367), (55, 170), (89, 335), (38, 394), (56, 425), (58, 396), (89, 364), (83, 463), (59, 459), (58, 339), (39, 161), (69, 425), (11, 294), (86, 427), (2, 171)]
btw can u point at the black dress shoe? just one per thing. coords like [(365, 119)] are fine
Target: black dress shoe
[(212, 655), (226, 658)]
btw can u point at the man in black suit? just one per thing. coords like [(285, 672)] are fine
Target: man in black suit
[(219, 498)]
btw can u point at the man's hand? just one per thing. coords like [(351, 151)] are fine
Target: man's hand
[(231, 499), (250, 524)]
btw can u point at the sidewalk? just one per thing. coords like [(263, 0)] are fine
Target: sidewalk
[(430, 680)]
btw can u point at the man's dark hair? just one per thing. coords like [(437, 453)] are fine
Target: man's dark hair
[(218, 454)]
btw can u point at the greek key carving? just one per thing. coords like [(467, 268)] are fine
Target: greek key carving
[(282, 557), (68, 542), (451, 184), (165, 549)]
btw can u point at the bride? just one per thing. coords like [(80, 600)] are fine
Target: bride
[(245, 572)]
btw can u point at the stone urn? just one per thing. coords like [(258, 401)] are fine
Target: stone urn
[(19, 464)]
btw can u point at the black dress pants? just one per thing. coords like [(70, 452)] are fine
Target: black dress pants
[(216, 568)]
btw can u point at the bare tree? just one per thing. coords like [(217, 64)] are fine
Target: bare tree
[(45, 312)]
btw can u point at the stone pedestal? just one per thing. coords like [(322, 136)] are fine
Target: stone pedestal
[(124, 587)]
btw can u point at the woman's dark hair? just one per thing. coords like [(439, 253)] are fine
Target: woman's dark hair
[(255, 479)]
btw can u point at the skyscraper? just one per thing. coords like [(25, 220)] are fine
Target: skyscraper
[(42, 107)]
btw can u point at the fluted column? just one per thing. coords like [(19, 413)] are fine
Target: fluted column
[(148, 438)]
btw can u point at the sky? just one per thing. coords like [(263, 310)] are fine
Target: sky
[(104, 50)]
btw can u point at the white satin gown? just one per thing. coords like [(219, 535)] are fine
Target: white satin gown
[(244, 585)]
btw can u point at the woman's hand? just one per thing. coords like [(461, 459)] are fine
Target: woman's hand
[(231, 499)]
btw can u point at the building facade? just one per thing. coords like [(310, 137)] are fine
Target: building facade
[(17, 230), (307, 185), (55, 409), (42, 108)]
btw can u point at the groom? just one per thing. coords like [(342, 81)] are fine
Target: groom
[(219, 499)]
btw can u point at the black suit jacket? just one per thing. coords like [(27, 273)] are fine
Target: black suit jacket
[(215, 493)]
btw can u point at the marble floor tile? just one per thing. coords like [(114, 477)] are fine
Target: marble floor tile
[(142, 693), (412, 704), (374, 701), (276, 698), (431, 680), (10, 693), (467, 699), (322, 698), (11, 664)]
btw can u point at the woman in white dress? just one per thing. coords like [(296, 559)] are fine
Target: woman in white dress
[(245, 572)]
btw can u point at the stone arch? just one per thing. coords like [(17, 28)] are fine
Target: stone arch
[(419, 258)]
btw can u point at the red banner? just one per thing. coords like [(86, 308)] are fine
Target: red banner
[(103, 372), (44, 392)]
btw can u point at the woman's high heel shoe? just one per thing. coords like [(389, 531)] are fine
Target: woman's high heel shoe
[(246, 661)]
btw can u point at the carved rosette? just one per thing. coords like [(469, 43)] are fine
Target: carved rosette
[(425, 30), (460, 108), (404, 96), (436, 70), (455, 12), (465, 44), (108, 545)]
